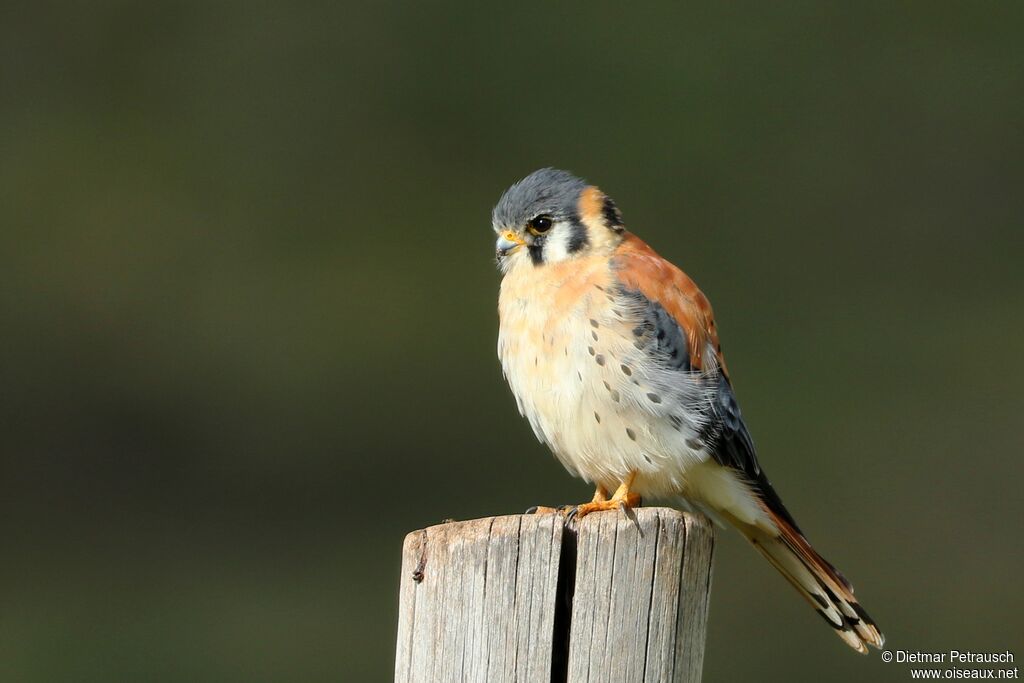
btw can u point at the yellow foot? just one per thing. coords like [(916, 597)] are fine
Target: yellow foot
[(621, 500), (630, 500)]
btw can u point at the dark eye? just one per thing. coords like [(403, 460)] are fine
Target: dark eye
[(540, 225)]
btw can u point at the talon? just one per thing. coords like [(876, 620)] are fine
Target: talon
[(629, 514), (532, 510), (622, 500)]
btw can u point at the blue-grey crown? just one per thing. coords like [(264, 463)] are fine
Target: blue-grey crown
[(547, 191)]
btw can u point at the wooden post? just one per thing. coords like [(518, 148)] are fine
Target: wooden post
[(522, 598)]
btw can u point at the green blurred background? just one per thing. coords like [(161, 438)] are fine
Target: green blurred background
[(247, 302)]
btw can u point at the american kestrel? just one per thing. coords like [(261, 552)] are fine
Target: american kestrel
[(613, 356)]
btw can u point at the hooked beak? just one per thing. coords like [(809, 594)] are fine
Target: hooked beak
[(508, 243)]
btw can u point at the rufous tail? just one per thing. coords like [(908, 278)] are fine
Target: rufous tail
[(821, 584)]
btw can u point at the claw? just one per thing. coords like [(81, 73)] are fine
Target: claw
[(570, 515), (623, 499), (629, 514)]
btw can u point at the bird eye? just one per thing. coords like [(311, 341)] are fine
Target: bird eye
[(539, 225)]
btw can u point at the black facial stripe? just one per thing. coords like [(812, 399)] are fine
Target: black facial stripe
[(578, 238), (536, 250), (612, 215)]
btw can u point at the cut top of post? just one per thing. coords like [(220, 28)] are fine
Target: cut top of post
[(522, 598)]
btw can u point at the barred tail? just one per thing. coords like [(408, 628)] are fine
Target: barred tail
[(821, 584)]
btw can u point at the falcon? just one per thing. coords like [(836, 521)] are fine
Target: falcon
[(613, 356)]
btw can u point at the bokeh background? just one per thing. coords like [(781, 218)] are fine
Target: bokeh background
[(247, 302)]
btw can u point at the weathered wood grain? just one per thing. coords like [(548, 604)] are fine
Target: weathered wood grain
[(640, 604), (484, 609), (519, 598)]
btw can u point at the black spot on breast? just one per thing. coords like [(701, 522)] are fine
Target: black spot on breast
[(654, 398), (590, 350), (626, 370), (593, 334), (600, 359), (593, 323), (631, 434), (598, 418)]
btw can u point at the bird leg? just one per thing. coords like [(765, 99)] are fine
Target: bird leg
[(622, 498)]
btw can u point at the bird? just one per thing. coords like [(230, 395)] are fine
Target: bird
[(613, 356)]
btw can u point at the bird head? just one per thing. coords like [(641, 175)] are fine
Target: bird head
[(552, 216)]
